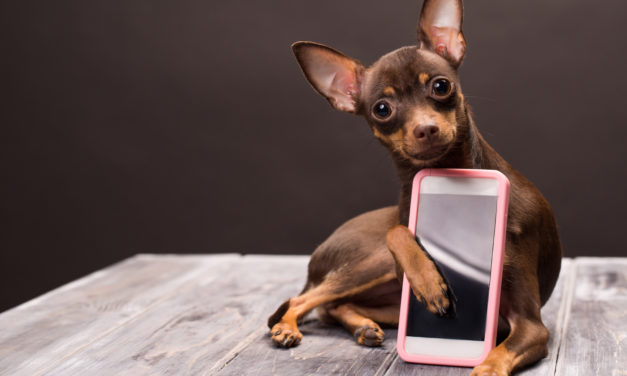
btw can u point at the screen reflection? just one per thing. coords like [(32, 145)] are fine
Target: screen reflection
[(458, 232)]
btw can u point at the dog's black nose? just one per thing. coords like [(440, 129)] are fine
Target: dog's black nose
[(426, 132)]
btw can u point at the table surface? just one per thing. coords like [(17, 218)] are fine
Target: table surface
[(206, 314)]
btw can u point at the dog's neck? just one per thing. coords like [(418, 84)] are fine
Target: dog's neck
[(468, 152)]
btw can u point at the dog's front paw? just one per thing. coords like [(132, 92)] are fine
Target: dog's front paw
[(285, 335), (431, 290), (369, 335), (423, 276)]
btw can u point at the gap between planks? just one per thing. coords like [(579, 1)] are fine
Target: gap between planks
[(234, 353), (564, 312), (385, 368)]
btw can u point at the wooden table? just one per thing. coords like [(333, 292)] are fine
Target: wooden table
[(197, 315)]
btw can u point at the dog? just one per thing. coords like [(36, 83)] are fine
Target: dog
[(412, 101)]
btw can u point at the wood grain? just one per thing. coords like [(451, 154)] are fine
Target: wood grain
[(324, 350), (205, 315), (38, 334), (595, 330), (199, 328)]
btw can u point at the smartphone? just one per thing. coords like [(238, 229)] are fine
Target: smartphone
[(459, 217)]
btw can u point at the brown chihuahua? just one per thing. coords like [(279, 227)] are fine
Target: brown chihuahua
[(413, 102)]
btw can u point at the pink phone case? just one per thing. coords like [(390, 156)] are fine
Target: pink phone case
[(495, 275)]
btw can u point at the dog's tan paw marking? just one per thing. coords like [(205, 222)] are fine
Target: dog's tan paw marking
[(369, 335), (285, 335), (429, 287), (488, 370)]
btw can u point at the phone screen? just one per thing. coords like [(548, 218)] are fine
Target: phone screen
[(457, 230)]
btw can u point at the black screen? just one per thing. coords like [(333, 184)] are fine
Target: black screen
[(458, 233)]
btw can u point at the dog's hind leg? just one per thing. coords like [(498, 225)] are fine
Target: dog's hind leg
[(283, 323), (361, 322), (387, 315)]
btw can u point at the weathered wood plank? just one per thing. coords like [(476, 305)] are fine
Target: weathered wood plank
[(595, 332), (553, 314), (206, 315), (200, 328), (38, 334), (324, 350), (399, 367)]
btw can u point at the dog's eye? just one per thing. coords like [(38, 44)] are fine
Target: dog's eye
[(382, 110), (441, 88)]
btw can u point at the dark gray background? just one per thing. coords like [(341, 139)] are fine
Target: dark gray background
[(186, 126)]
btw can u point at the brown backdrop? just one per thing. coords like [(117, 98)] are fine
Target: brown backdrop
[(186, 126)]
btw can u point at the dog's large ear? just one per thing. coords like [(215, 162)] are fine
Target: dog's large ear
[(440, 29), (334, 75)]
